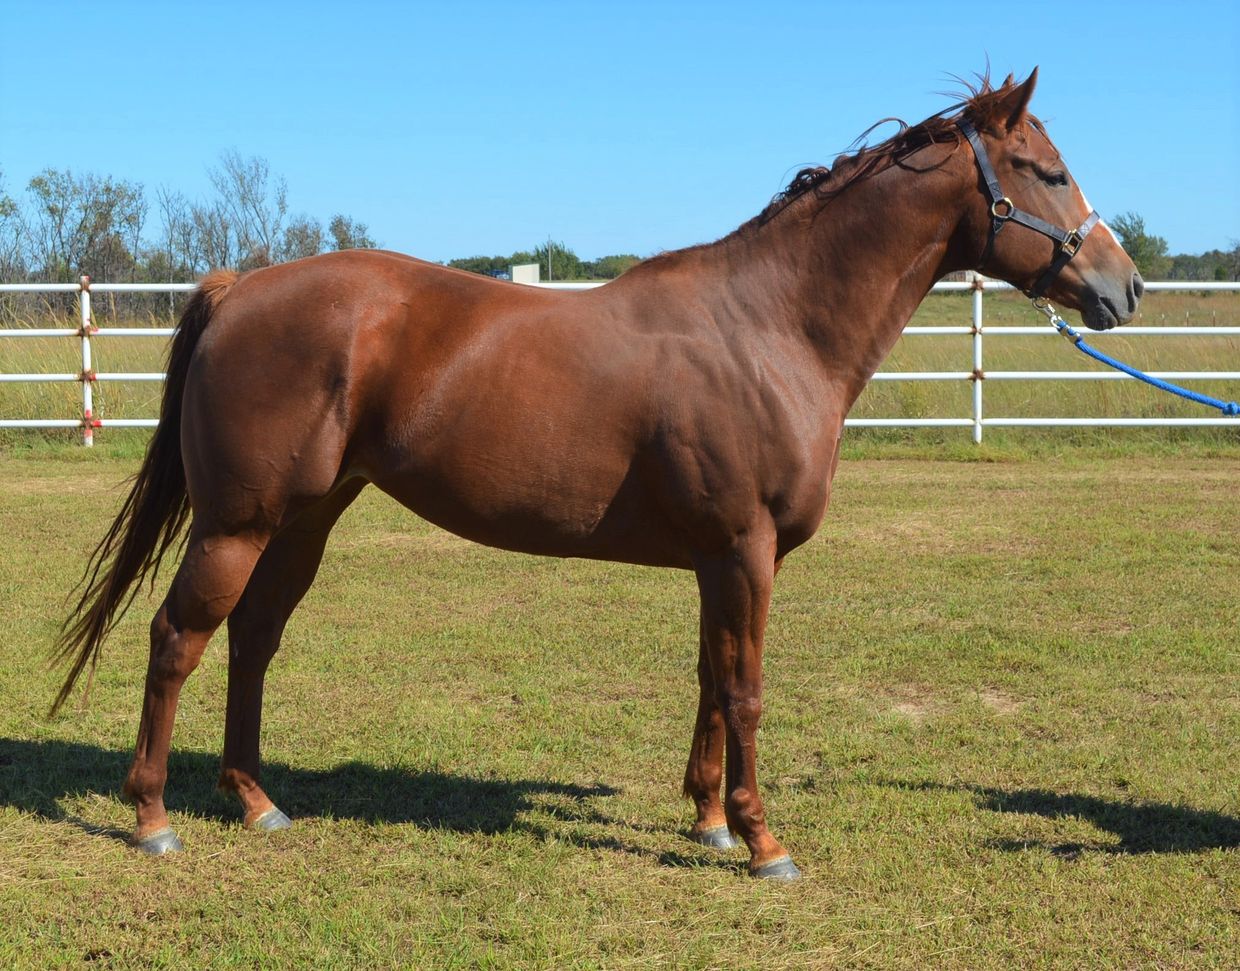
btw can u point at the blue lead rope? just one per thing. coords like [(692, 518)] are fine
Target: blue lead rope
[(1229, 408)]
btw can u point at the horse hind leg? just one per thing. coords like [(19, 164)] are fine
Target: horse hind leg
[(281, 578), (206, 587)]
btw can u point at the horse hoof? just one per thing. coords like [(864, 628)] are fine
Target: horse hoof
[(782, 869), (271, 820), (160, 842), (717, 838)]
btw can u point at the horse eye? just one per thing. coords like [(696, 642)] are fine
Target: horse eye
[(1056, 178)]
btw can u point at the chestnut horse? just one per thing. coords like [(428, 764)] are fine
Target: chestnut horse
[(687, 415)]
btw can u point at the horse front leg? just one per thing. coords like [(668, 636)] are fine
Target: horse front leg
[(704, 773), (735, 589)]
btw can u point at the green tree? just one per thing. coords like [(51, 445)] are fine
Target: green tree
[(610, 267), (348, 233), (1214, 264), (1147, 251), (302, 237), (496, 266), (1229, 266), (12, 265), (564, 263), (254, 205), (178, 255), (1187, 266), (86, 224)]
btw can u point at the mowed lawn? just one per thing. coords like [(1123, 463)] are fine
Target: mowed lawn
[(1002, 730)]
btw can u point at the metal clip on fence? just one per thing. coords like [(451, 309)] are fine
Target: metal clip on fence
[(1229, 408)]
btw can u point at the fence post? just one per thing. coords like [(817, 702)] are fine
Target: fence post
[(979, 375), (88, 375)]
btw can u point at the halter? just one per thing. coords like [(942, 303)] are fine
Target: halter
[(1003, 210)]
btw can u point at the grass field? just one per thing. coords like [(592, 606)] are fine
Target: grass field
[(1002, 730), (918, 399)]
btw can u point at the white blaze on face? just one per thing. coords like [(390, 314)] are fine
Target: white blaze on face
[(1084, 201), (1088, 209)]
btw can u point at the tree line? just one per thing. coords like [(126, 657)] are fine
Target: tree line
[(1149, 252), (556, 261), (1151, 255), (115, 230)]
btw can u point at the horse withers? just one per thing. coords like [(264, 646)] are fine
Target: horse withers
[(686, 415)]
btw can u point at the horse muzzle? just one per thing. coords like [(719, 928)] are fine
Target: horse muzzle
[(1111, 306)]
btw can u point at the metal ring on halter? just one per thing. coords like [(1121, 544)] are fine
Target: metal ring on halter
[(1005, 201)]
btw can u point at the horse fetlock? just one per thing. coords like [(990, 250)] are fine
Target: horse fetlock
[(744, 812), (143, 787), (702, 783), (235, 781), (254, 801)]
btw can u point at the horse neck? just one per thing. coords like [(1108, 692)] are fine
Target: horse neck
[(848, 274)]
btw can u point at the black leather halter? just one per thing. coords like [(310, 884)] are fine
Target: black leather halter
[(1003, 210)]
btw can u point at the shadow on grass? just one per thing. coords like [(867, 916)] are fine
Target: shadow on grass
[(36, 775), (1142, 827)]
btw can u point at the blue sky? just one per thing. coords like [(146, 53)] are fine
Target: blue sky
[(465, 128)]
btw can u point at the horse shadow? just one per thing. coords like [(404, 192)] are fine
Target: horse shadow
[(36, 775), (1142, 827)]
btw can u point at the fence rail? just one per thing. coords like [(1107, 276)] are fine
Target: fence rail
[(977, 376)]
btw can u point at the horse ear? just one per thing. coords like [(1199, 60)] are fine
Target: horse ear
[(1013, 106), (1008, 80)]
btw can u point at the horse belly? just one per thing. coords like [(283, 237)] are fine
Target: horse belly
[(528, 496)]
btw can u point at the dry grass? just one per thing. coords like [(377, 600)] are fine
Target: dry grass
[(1021, 399), (881, 399)]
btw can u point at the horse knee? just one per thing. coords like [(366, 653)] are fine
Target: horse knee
[(741, 712)]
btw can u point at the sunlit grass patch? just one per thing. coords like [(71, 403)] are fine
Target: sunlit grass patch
[(1002, 728)]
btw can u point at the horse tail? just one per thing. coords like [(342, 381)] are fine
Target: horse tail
[(153, 514)]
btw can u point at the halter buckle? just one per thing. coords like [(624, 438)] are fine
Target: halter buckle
[(1072, 244), (1005, 201)]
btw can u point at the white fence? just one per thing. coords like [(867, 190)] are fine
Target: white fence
[(977, 375)]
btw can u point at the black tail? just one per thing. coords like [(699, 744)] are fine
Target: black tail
[(153, 514)]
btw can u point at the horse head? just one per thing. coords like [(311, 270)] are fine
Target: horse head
[(1031, 220)]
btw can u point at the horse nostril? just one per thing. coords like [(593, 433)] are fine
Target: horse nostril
[(1138, 286)]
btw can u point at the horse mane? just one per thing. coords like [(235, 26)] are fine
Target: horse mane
[(981, 104)]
